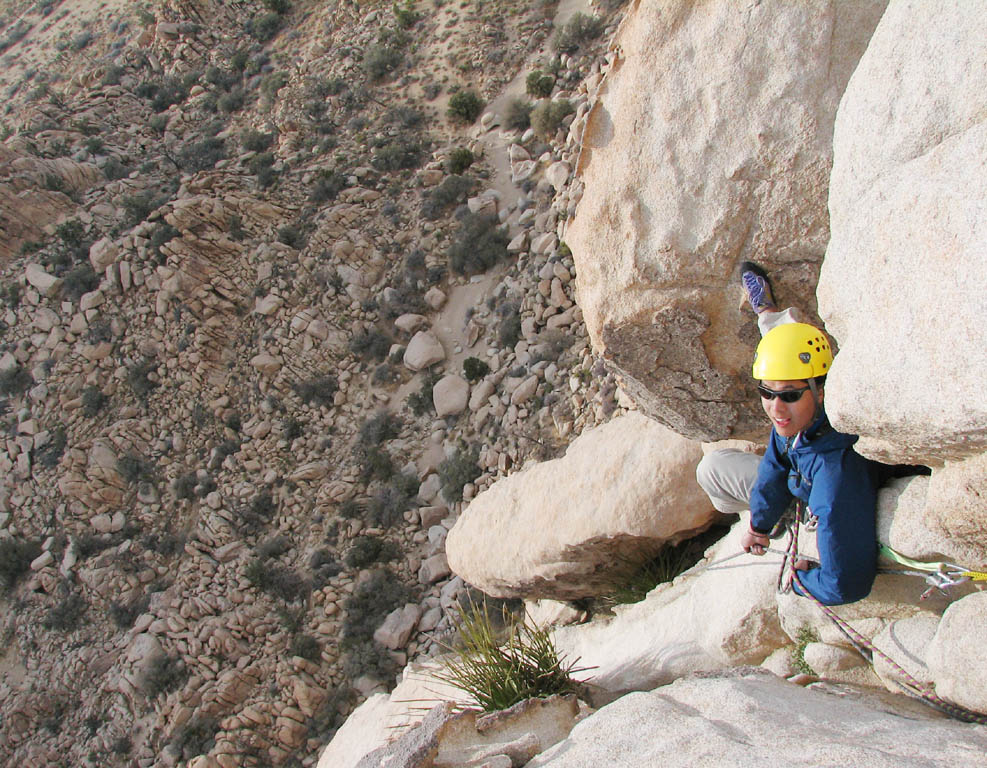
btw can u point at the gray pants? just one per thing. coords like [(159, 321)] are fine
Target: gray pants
[(728, 475)]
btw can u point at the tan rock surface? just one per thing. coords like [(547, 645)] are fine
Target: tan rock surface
[(619, 493), (903, 284), (689, 169)]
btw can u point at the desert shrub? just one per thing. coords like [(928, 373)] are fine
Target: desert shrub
[(381, 60), (292, 235), (327, 185), (195, 738), (405, 298), (403, 117), (71, 232), (202, 155), (232, 101), (305, 646), (323, 567), (464, 107), (133, 468), (548, 116), (367, 550), (374, 598), (162, 233), (475, 369), (370, 344), (375, 463), (453, 190), (421, 402), (166, 543), (379, 428), (183, 486), (319, 389), (499, 674), (277, 6), (15, 560), (265, 26), (641, 578), (139, 206), (351, 509), (387, 505), (82, 278), (256, 141), (11, 294), (125, 614), (406, 15), (14, 381), (458, 470), (518, 114), (273, 547), (539, 84), (580, 29), (367, 658), (277, 580), (164, 674), (459, 160), (397, 154), (477, 245), (51, 454), (509, 330), (139, 378), (67, 612)]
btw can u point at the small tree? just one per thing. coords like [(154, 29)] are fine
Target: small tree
[(465, 107)]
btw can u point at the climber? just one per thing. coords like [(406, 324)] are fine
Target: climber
[(806, 458)]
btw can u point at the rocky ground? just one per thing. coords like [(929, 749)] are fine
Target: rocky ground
[(261, 336)]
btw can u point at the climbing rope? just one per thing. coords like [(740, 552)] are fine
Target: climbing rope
[(867, 649)]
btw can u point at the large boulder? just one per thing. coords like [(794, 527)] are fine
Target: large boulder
[(754, 718), (707, 619), (905, 276), (956, 656), (567, 528), (710, 143)]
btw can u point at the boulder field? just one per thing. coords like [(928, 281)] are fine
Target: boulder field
[(836, 143)]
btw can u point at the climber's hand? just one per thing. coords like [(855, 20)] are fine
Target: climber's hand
[(754, 542)]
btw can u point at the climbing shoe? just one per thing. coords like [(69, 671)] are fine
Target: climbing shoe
[(757, 286)]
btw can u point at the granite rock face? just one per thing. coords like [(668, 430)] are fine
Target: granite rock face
[(755, 718), (618, 495), (690, 168), (903, 284)]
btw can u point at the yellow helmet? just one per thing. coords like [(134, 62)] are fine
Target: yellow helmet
[(791, 352)]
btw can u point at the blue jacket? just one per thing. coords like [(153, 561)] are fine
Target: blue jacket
[(839, 486)]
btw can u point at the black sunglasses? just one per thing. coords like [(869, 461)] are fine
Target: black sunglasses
[(785, 395)]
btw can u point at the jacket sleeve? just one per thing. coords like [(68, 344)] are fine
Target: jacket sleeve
[(843, 498), (770, 496)]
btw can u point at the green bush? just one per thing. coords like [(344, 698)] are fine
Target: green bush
[(421, 402), (367, 550), (518, 114), (539, 84), (374, 598), (164, 674), (458, 470), (66, 614), (453, 190), (386, 507), (232, 101), (548, 116), (370, 345), (125, 614), (320, 390), (398, 154), (265, 26), (509, 330), (381, 60), (81, 279), (195, 738), (277, 580), (278, 6), (478, 244), (475, 369), (405, 15), (367, 658), (498, 675), (305, 646), (15, 380), (138, 377), (459, 160), (256, 141), (202, 155), (804, 636), (292, 235), (580, 29), (465, 107), (133, 468), (379, 428), (327, 185), (16, 556)]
